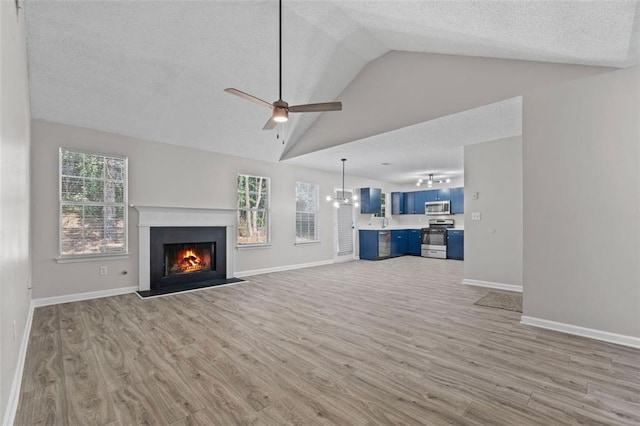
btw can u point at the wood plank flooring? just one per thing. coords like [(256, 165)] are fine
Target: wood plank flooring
[(395, 342)]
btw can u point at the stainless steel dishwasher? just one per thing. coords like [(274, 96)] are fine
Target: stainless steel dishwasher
[(384, 244)]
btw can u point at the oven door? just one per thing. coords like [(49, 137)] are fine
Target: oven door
[(434, 237)]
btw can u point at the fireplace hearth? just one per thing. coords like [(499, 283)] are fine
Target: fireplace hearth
[(186, 254)]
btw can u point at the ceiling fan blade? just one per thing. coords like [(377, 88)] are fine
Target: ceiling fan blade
[(327, 106), (270, 125), (248, 97)]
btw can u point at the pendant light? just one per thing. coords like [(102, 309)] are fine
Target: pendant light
[(337, 201)]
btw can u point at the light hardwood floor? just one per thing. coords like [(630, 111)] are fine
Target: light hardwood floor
[(359, 343)]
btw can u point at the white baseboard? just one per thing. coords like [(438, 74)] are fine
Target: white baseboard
[(14, 394), (605, 336), (56, 300), (241, 274), (489, 284)]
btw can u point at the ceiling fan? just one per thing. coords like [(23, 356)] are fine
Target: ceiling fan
[(280, 108)]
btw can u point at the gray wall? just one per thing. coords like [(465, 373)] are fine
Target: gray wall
[(582, 202), (156, 175), (431, 86), (493, 245), (15, 263)]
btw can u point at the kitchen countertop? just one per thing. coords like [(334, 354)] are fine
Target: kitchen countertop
[(396, 227), (386, 228)]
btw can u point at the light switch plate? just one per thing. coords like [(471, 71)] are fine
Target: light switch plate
[(475, 216)]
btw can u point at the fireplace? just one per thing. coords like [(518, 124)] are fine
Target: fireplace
[(186, 254), (150, 217)]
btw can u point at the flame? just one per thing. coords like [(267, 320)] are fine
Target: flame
[(189, 261)]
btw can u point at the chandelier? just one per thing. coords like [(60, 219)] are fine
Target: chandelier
[(343, 200), (431, 181)]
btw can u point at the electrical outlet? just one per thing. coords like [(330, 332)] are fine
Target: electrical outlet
[(475, 195), (475, 216), (103, 270)]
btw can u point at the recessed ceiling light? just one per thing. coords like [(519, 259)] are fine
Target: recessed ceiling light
[(385, 164)]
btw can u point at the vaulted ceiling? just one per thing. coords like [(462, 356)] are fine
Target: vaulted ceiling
[(157, 69)]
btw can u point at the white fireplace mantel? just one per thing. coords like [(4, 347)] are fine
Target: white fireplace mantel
[(158, 216)]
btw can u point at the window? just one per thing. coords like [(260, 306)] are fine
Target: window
[(306, 212), (253, 210), (93, 204)]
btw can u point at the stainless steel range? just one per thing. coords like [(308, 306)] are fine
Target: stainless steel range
[(434, 238)]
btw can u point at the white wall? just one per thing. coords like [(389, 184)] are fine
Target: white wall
[(157, 173), (493, 245), (582, 203), (15, 263)]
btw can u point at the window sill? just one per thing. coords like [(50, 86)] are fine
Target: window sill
[(253, 246), (92, 258), (308, 243)]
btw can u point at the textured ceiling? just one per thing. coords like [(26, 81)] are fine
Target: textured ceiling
[(433, 147), (157, 70)]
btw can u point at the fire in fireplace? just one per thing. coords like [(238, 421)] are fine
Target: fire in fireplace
[(188, 258)]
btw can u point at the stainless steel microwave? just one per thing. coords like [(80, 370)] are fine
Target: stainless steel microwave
[(437, 207)]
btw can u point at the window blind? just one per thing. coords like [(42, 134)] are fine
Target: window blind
[(345, 226), (306, 211), (93, 203)]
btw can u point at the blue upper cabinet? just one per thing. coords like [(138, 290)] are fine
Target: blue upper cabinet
[(431, 195), (409, 202), (370, 200), (442, 194), (397, 203), (457, 200), (421, 198)]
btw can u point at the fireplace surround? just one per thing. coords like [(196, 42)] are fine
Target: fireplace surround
[(184, 217), (186, 254)]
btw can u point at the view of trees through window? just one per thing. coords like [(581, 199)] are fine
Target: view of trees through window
[(253, 209), (306, 211), (92, 204)]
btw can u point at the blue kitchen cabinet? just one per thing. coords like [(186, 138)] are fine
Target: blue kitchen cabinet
[(457, 200), (442, 194), (455, 244), (414, 242), (431, 195), (398, 242), (397, 203), (368, 241), (370, 200), (409, 203), (421, 198)]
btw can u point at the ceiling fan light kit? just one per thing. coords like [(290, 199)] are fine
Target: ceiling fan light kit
[(281, 109)]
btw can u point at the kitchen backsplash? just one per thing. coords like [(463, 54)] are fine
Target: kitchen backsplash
[(410, 220)]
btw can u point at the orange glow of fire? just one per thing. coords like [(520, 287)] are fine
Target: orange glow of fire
[(190, 261)]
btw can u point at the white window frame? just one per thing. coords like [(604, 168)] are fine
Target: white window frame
[(65, 258), (316, 239), (240, 245)]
